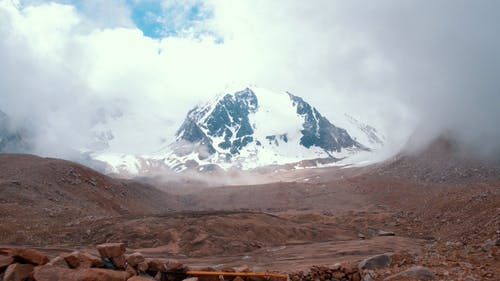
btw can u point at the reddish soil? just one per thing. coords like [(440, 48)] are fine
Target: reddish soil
[(40, 195), (442, 208)]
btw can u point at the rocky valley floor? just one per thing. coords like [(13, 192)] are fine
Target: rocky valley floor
[(448, 224)]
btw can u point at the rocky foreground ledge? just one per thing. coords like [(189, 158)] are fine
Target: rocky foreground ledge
[(113, 264)]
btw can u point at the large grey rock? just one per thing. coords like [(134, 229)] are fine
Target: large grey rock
[(419, 272), (490, 243), (376, 262)]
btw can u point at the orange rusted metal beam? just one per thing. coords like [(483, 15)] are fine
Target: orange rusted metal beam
[(243, 274)]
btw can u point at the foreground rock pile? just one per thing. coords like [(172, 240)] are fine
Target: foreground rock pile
[(344, 272), (113, 263), (18, 264), (387, 267)]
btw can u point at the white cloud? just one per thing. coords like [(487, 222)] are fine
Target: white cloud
[(60, 64)]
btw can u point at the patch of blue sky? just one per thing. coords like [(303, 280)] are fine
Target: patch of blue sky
[(160, 19)]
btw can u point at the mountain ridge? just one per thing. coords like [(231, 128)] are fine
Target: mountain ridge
[(260, 126), (246, 129)]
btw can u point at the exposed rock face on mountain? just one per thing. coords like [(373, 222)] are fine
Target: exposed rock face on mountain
[(228, 119), (256, 127), (318, 131)]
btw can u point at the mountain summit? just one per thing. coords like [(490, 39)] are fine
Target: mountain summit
[(246, 129), (257, 127)]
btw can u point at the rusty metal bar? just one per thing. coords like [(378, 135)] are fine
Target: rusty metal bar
[(241, 274)]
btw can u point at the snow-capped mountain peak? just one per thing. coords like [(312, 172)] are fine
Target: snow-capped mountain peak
[(256, 127), (246, 129)]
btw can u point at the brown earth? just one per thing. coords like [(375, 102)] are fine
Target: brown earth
[(41, 195), (443, 210)]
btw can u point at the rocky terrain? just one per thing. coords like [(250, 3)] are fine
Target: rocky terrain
[(430, 215), (42, 194)]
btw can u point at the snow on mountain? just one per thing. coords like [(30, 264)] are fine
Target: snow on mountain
[(250, 128), (363, 133), (257, 127)]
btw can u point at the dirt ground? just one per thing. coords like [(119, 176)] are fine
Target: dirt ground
[(306, 217)]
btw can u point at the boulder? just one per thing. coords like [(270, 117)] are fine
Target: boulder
[(95, 261), (376, 262), (120, 262), (30, 256), (82, 260), (143, 266), (58, 261), (18, 272), (5, 261), (134, 259), (130, 269), (111, 250), (418, 272)]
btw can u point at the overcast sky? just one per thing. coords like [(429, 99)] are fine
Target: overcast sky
[(400, 65)]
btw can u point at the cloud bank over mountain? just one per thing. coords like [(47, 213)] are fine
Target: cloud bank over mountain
[(69, 66)]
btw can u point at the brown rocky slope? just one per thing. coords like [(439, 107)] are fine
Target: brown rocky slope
[(433, 208), (40, 193)]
